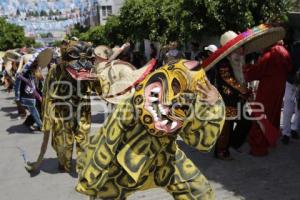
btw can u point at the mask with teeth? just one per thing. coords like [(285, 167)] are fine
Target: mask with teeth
[(164, 98), (78, 58)]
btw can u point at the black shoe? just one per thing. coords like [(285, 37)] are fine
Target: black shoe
[(285, 140), (294, 134), (223, 155), (34, 128)]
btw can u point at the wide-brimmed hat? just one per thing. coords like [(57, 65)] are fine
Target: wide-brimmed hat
[(103, 52), (252, 40), (43, 57), (227, 36), (11, 55), (122, 77), (2, 53)]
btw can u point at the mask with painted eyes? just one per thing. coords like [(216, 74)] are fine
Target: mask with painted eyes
[(164, 97), (78, 58)]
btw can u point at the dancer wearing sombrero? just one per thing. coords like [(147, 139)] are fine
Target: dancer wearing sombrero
[(136, 147), (274, 64), (11, 60), (233, 88)]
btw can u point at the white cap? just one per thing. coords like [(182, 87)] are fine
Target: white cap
[(212, 48)]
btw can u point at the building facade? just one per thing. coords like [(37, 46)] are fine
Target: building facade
[(109, 7)]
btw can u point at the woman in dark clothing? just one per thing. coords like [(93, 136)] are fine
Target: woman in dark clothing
[(29, 93)]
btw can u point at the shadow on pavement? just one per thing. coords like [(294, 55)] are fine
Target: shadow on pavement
[(276, 176), (12, 115), (50, 166), (9, 109), (19, 129), (10, 98)]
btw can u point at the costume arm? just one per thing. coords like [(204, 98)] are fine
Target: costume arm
[(204, 124), (256, 71), (100, 86), (228, 78)]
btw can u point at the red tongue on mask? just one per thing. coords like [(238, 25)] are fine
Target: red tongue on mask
[(82, 74)]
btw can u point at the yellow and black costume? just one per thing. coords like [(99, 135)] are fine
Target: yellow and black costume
[(136, 147), (66, 102)]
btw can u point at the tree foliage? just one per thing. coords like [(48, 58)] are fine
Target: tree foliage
[(95, 34), (184, 20), (11, 35)]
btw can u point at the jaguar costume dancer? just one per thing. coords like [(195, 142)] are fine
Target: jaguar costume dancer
[(66, 109), (136, 147)]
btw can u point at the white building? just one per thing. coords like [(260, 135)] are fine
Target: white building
[(109, 7)]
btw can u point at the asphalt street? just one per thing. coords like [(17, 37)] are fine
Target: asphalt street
[(275, 177)]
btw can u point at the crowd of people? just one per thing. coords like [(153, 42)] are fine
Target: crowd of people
[(255, 88)]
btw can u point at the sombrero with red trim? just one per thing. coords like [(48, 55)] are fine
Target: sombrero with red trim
[(122, 77), (252, 40)]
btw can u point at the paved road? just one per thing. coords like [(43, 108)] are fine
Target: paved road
[(275, 177)]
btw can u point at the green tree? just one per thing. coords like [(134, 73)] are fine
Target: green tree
[(57, 43), (239, 15), (96, 35), (113, 31), (77, 30), (295, 5), (142, 19), (11, 35), (29, 41), (184, 20)]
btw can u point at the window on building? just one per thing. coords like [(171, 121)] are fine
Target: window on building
[(106, 11)]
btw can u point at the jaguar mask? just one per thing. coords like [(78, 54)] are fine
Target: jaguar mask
[(78, 58), (163, 98)]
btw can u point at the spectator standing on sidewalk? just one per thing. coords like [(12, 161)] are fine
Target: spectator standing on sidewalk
[(290, 99)]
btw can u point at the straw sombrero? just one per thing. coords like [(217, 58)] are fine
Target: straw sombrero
[(2, 53), (122, 77), (43, 57), (252, 40), (103, 52), (11, 55)]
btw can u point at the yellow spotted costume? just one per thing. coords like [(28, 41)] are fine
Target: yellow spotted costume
[(133, 152), (66, 108)]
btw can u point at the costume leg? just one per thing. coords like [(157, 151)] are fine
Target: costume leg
[(183, 180), (196, 189), (239, 136), (81, 136), (62, 142), (222, 145)]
